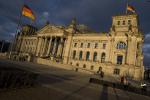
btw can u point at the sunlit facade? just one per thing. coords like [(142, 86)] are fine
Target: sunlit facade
[(116, 53)]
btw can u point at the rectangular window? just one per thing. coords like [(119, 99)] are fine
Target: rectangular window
[(123, 23), (81, 45), (119, 59), (96, 45), (118, 22), (75, 44), (104, 45), (129, 22), (116, 71), (88, 46), (92, 67)]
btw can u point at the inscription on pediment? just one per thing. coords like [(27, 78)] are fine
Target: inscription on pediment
[(51, 30)]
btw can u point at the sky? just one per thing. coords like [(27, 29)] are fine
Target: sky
[(97, 14)]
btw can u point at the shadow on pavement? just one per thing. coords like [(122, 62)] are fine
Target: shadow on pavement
[(16, 78), (117, 97), (75, 92), (52, 79), (128, 88), (104, 93)]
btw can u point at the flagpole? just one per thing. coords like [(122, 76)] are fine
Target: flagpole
[(126, 8), (14, 40)]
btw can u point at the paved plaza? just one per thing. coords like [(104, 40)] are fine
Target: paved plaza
[(60, 84)]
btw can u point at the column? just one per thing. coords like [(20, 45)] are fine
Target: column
[(63, 52), (49, 46), (41, 47), (54, 47), (60, 47), (44, 47), (38, 46)]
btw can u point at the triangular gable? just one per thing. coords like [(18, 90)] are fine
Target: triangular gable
[(50, 29)]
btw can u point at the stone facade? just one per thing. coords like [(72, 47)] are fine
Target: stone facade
[(116, 53)]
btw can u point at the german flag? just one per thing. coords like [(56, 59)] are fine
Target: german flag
[(26, 11), (130, 8)]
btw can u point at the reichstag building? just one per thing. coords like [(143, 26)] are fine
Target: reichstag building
[(116, 53)]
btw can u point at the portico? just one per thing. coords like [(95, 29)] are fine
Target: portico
[(51, 45)]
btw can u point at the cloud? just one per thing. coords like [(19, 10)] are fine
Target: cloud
[(94, 13)]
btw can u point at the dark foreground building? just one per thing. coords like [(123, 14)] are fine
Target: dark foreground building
[(4, 46)]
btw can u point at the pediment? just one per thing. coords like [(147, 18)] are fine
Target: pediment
[(49, 29)]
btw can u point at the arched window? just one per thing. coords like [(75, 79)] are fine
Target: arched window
[(70, 63), (92, 67), (84, 66), (77, 64), (121, 45), (80, 55), (88, 55), (103, 56), (95, 56), (74, 54)]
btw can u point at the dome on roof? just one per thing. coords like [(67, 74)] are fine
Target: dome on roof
[(83, 28), (28, 30)]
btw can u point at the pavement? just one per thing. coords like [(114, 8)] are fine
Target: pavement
[(61, 84)]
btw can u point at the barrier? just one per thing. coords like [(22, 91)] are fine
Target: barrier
[(129, 88)]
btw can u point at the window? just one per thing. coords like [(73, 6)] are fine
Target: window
[(92, 67), (103, 57), (81, 45), (70, 63), (123, 23), (118, 22), (138, 45), (116, 71), (100, 69), (84, 66), (74, 54), (88, 46), (75, 44), (88, 56), (104, 45), (129, 22), (119, 59), (80, 55), (121, 45), (95, 56), (77, 64), (96, 45)]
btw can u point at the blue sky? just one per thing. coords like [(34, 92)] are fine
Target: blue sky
[(96, 14)]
